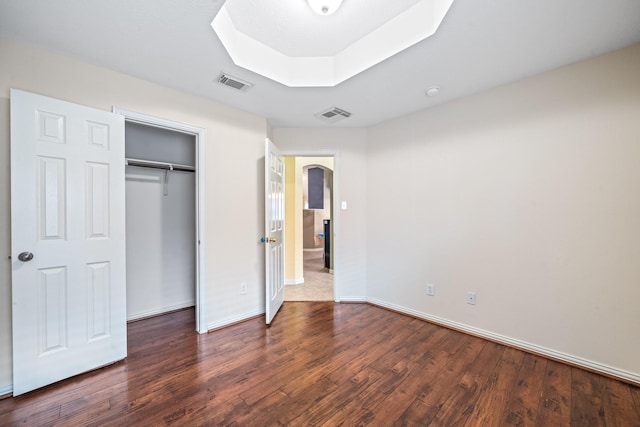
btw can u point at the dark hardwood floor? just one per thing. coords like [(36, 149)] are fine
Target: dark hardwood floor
[(325, 364)]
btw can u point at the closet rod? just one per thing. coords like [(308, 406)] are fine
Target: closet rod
[(158, 165)]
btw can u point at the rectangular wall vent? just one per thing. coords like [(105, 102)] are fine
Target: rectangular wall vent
[(333, 115), (234, 82)]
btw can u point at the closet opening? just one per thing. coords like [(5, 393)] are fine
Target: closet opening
[(164, 217)]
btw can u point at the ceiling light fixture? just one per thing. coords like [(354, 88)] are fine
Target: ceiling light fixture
[(324, 7)]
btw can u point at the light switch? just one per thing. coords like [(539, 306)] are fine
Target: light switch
[(344, 206)]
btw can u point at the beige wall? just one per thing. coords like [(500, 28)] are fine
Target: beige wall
[(529, 195), (349, 185), (234, 173)]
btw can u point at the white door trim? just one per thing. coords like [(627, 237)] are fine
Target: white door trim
[(335, 201), (200, 135)]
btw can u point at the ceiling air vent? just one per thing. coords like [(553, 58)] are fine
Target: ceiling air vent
[(234, 82), (333, 115)]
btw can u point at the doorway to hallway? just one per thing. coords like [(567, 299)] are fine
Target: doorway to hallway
[(309, 228)]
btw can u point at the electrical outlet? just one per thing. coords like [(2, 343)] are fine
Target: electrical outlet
[(243, 288), (471, 298), (431, 290)]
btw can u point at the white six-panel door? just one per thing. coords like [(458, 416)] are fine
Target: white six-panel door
[(274, 230), (67, 210)]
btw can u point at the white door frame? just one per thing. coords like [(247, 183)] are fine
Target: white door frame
[(335, 197), (200, 134)]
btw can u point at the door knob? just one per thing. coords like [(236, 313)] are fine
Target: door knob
[(267, 240), (25, 256)]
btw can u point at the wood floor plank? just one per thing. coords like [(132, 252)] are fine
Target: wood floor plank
[(555, 403), (458, 405), (398, 350), (411, 416), (363, 356), (617, 401), (434, 394), (271, 411), (82, 411), (635, 394), (360, 411), (522, 409), (305, 397), (496, 391), (324, 364), (345, 393), (422, 374), (293, 373), (586, 405), (225, 413)]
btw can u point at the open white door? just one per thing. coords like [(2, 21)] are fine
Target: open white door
[(274, 229), (67, 239)]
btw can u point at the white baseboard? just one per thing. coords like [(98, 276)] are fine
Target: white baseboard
[(160, 310), (522, 345), (298, 281), (234, 319), (6, 390)]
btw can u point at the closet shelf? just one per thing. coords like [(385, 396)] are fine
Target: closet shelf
[(158, 165)]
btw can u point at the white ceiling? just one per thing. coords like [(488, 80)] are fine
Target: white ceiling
[(480, 45), (299, 57)]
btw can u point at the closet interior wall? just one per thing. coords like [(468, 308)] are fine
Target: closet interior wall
[(161, 221)]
